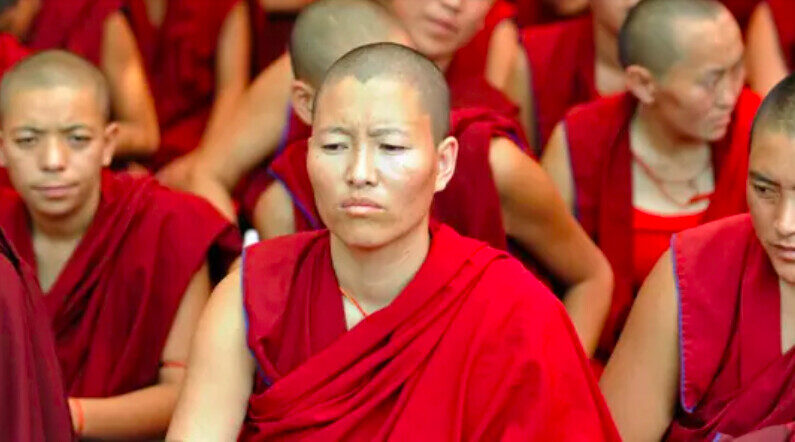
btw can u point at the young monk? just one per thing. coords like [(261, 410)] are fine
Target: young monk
[(771, 44), (571, 62), (196, 54), (30, 381), (98, 31), (668, 155), (417, 347), (122, 261), (708, 347)]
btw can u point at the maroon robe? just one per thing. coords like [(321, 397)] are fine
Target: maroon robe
[(783, 12), (270, 32), (11, 51), (538, 12), (34, 408), (734, 377), (446, 360), (562, 61), (180, 57), (114, 302), (741, 9), (601, 162), (75, 25)]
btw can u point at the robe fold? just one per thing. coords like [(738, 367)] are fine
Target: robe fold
[(562, 60), (783, 12), (74, 25), (181, 65), (601, 163), (446, 360), (113, 304), (734, 377), (470, 203), (34, 408)]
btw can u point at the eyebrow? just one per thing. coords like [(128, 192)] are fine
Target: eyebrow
[(386, 131), (335, 130), (756, 176)]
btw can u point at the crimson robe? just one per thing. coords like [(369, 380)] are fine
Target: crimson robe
[(562, 61), (536, 12), (270, 32), (74, 25), (741, 9), (114, 302), (180, 58), (470, 203), (783, 12), (446, 360), (601, 162), (734, 377), (11, 51), (34, 408)]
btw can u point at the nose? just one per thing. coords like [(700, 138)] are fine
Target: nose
[(730, 88), (361, 169), (785, 218), (53, 155), (452, 4)]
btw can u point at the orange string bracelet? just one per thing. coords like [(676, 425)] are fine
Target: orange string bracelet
[(174, 364), (353, 301), (80, 418)]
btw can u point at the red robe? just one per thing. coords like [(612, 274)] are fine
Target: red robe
[(783, 12), (11, 51), (562, 59), (598, 137), (446, 360), (734, 377), (113, 304), (270, 32), (75, 25), (180, 60), (34, 408), (741, 9), (470, 203), (536, 12)]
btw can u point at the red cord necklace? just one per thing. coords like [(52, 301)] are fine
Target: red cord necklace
[(353, 301), (660, 182)]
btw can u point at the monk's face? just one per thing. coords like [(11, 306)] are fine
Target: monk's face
[(696, 96), (372, 160), (771, 197), (55, 141), (611, 13), (439, 27)]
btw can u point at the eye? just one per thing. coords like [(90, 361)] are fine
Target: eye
[(79, 140), (763, 190), (333, 147), (25, 141), (394, 148)]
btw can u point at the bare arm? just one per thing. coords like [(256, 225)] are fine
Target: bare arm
[(503, 50), (555, 162), (764, 59), (641, 379), (249, 136), (145, 413), (273, 214), (535, 215), (518, 87), (213, 403), (132, 103)]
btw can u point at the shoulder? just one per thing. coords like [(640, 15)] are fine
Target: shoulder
[(559, 32)]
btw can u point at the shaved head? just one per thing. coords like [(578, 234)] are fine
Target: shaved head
[(52, 69), (327, 29), (777, 112), (651, 34), (396, 62)]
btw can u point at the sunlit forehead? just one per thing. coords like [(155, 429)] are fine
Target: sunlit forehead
[(772, 158), (59, 108)]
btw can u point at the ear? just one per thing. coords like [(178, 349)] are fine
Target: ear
[(302, 96), (446, 156), (641, 83), (110, 138)]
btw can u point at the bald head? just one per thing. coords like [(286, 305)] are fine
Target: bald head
[(652, 33), (396, 62), (327, 29), (777, 112), (52, 69)]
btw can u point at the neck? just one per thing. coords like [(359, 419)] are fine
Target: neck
[(606, 46), (375, 277), (70, 227), (787, 288), (658, 137), (443, 63)]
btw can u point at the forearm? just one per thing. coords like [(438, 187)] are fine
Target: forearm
[(204, 184), (588, 304), (140, 414)]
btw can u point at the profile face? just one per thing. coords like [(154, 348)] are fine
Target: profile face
[(372, 160), (697, 95), (771, 198), (55, 142), (440, 27)]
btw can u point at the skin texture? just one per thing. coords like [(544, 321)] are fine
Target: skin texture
[(764, 58), (55, 142)]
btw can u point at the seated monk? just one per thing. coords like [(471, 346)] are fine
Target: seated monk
[(122, 261), (708, 348), (196, 54), (30, 382), (771, 44), (670, 154), (571, 62), (97, 31), (386, 326)]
